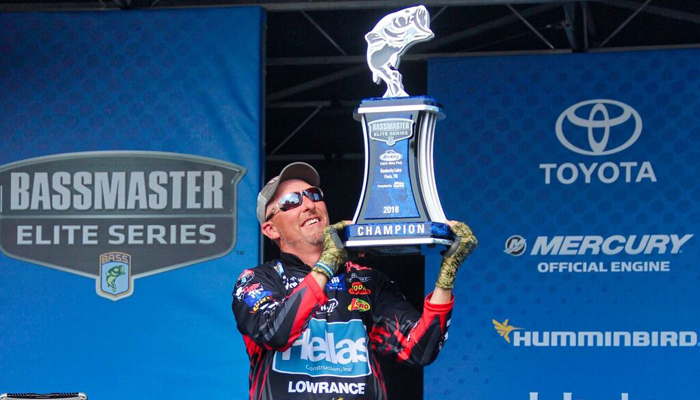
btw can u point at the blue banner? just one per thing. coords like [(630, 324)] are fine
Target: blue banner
[(579, 175), (129, 171)]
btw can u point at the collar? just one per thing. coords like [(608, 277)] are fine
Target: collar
[(291, 260)]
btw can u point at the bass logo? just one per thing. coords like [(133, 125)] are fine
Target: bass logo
[(115, 279)]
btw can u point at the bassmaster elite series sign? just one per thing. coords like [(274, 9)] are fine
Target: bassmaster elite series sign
[(119, 215)]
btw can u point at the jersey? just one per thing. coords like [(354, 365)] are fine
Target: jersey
[(305, 342)]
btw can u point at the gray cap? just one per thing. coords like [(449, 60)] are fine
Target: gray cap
[(297, 170)]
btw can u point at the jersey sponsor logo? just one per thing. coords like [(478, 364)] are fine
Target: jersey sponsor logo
[(245, 278), (261, 304), (328, 308), (327, 349), (326, 387), (352, 265), (358, 305), (290, 282), (278, 267), (358, 288), (336, 283), (255, 296), (359, 278), (244, 290)]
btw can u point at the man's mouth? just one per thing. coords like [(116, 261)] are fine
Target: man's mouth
[(310, 222)]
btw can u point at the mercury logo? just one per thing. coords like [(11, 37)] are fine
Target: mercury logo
[(573, 245), (594, 121), (610, 245), (515, 246)]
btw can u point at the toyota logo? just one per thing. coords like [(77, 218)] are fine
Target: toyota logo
[(599, 118)]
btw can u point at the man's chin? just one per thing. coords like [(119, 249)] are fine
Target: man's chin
[(314, 238)]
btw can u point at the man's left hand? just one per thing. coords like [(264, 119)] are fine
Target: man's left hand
[(464, 244)]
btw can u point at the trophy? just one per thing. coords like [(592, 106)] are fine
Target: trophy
[(399, 210)]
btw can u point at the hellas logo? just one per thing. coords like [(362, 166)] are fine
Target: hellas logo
[(327, 349)]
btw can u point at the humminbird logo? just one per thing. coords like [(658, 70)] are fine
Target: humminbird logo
[(118, 215), (524, 338), (598, 127), (574, 246)]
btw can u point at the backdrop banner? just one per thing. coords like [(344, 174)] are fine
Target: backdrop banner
[(579, 174), (129, 169)]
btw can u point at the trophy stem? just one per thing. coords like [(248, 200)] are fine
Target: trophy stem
[(426, 168)]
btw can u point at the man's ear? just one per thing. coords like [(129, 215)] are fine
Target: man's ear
[(270, 230)]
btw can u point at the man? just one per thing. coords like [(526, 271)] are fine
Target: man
[(313, 323)]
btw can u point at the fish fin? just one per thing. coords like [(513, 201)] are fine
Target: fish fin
[(373, 37)]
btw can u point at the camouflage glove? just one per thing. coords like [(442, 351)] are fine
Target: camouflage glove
[(464, 244), (334, 254)]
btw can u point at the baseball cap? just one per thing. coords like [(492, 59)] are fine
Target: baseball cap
[(296, 170)]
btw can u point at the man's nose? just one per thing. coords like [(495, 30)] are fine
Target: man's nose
[(307, 203)]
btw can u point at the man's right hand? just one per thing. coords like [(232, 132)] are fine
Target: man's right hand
[(334, 254)]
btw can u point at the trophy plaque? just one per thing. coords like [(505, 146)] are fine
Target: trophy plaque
[(399, 210)]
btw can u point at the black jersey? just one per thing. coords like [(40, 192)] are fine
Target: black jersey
[(305, 342)]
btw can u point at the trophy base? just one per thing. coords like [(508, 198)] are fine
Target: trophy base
[(397, 237)]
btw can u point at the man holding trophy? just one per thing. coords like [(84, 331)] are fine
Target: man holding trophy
[(315, 323)]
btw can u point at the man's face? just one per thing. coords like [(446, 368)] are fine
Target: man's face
[(298, 227)]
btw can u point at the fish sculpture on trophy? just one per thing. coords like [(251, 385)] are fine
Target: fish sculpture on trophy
[(389, 40), (399, 210)]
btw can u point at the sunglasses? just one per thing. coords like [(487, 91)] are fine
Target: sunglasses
[(293, 200)]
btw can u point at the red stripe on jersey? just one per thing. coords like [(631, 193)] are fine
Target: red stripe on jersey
[(312, 297), (377, 371), (430, 313), (377, 337)]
